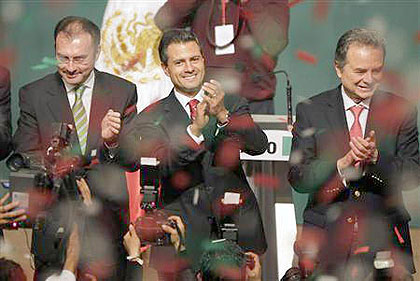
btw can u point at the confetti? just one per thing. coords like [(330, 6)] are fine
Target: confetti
[(294, 3), (306, 57), (321, 9)]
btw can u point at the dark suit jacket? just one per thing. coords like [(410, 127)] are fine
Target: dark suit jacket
[(321, 137), (209, 169), (44, 102), (5, 115)]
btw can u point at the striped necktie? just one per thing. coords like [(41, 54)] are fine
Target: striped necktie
[(80, 118)]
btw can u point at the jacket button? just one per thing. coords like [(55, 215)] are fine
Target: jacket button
[(357, 193)]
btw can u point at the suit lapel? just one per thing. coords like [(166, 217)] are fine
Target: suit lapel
[(176, 114), (101, 102), (58, 103), (337, 119)]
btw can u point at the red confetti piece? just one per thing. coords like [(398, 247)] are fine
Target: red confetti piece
[(417, 37), (266, 181), (181, 180), (321, 9), (294, 3), (7, 57), (129, 110), (400, 238), (306, 57), (361, 250)]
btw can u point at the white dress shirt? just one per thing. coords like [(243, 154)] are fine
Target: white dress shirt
[(87, 94), (349, 103)]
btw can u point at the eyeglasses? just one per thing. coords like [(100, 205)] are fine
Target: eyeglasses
[(76, 60)]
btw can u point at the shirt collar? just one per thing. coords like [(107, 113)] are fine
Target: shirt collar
[(90, 81), (348, 102), (184, 100)]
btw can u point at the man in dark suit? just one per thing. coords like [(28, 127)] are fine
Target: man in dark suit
[(196, 133), (79, 95), (354, 149)]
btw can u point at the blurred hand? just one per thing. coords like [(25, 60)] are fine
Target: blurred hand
[(175, 239), (132, 242), (201, 119), (255, 273), (6, 215), (215, 99), (73, 250), (84, 191), (111, 126)]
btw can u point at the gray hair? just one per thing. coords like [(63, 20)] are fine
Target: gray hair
[(359, 36)]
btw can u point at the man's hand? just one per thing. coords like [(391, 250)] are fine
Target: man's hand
[(201, 119), (84, 191), (253, 274), (175, 239), (361, 150), (6, 215), (215, 99), (132, 242), (111, 126)]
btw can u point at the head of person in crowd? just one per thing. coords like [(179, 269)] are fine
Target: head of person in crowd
[(11, 271), (77, 47), (359, 62), (182, 60), (222, 260)]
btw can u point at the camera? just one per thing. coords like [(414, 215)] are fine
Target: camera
[(149, 226)]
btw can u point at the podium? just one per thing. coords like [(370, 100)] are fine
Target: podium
[(267, 176)]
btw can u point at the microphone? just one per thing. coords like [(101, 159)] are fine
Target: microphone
[(257, 77)]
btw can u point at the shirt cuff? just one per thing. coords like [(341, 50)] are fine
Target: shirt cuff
[(198, 140), (343, 179)]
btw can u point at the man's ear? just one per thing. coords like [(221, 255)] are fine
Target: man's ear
[(337, 69), (98, 52), (199, 277), (165, 69)]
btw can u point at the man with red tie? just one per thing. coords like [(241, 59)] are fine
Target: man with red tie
[(354, 149), (196, 134)]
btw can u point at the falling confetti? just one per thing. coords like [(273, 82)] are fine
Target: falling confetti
[(306, 57), (321, 9), (294, 3)]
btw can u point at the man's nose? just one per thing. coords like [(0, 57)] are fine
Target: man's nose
[(188, 67)]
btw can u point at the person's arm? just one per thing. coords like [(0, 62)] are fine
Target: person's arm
[(236, 126), (308, 171), (5, 114), (175, 13), (26, 138), (399, 167)]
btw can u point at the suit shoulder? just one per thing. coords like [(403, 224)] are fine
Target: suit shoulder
[(44, 82), (155, 107), (319, 99), (111, 78)]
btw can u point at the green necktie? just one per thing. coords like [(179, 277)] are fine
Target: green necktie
[(80, 118)]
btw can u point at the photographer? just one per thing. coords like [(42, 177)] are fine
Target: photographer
[(132, 244)]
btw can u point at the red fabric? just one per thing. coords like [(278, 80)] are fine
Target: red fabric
[(193, 108), (133, 187), (356, 128)]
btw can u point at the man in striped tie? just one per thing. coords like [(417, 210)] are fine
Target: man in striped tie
[(80, 95)]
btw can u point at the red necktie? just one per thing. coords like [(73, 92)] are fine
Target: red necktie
[(356, 128), (193, 108)]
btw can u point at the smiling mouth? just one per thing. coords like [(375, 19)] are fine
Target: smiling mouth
[(190, 77)]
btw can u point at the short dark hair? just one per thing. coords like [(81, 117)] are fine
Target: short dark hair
[(361, 36), (175, 35), (73, 25), (11, 271), (221, 254)]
